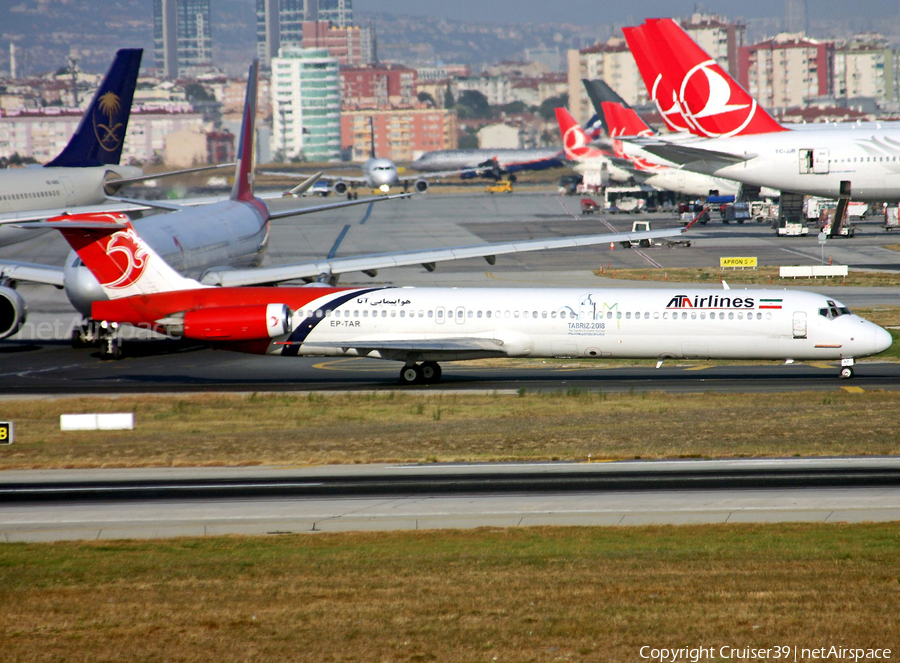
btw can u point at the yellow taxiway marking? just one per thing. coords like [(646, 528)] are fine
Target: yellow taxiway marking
[(854, 390), (819, 364), (336, 365), (697, 368)]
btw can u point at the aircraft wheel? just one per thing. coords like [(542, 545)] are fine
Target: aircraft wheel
[(110, 348), (846, 373), (645, 243), (431, 371), (410, 375), (78, 340)]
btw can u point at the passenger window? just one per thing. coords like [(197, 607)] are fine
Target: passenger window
[(479, 314), (515, 314), (768, 316), (384, 314), (471, 314), (693, 315), (647, 315), (402, 314), (609, 315), (543, 314), (656, 315), (562, 314), (618, 315), (534, 314), (666, 315), (684, 315), (487, 314), (628, 315), (430, 312), (731, 315)]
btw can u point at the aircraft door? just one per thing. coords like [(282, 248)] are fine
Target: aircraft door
[(799, 324), (460, 314), (814, 162)]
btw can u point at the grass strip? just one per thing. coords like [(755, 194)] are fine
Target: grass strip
[(289, 429), (762, 276), (541, 594)]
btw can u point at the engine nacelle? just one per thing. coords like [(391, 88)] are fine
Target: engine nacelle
[(238, 323), (421, 186), (340, 187), (12, 311)]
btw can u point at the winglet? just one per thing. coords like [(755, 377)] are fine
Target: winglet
[(100, 135), (243, 174)]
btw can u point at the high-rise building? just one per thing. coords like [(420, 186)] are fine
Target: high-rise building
[(865, 67), (181, 37), (717, 36), (795, 17), (306, 105), (280, 22)]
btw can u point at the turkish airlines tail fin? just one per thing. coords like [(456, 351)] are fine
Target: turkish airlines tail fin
[(659, 86), (117, 256), (711, 103), (624, 121), (243, 174), (576, 142), (100, 135)]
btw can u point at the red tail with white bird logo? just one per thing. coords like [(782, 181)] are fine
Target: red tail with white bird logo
[(709, 100), (576, 142), (117, 256)]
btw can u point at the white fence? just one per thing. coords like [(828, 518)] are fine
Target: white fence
[(814, 271)]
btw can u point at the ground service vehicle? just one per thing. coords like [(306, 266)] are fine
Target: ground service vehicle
[(499, 187)]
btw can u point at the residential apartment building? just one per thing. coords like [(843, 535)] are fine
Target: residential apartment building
[(787, 70), (280, 23), (382, 86), (865, 67), (400, 135), (610, 61), (719, 37)]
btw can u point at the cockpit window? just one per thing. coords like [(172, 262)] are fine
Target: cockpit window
[(833, 310)]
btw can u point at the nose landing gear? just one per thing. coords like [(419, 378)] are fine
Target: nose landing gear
[(846, 368)]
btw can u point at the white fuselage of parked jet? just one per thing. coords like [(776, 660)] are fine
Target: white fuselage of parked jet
[(811, 162), (54, 189), (442, 324)]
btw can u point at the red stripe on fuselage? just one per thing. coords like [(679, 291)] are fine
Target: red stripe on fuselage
[(142, 309)]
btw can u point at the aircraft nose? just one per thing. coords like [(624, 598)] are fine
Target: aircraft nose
[(881, 339)]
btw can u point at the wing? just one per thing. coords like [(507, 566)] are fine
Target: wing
[(33, 273), (369, 264), (693, 156), (343, 178)]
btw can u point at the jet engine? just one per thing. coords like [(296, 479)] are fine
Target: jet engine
[(340, 187), (421, 186), (12, 311), (238, 323)]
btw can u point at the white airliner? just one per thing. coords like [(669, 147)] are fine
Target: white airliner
[(421, 327), (743, 142), (223, 243)]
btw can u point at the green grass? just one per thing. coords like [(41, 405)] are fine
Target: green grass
[(593, 594)]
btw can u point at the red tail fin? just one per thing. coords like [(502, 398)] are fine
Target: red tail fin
[(243, 175), (624, 121), (575, 141), (117, 256), (659, 86), (711, 102)]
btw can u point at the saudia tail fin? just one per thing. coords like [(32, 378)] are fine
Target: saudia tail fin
[(710, 100), (576, 142), (101, 133), (243, 174), (117, 256)]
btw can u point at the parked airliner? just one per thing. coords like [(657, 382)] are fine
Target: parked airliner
[(421, 327), (745, 143)]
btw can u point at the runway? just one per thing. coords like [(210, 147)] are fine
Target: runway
[(55, 369), (110, 504)]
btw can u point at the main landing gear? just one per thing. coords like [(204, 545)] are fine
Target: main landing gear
[(427, 372), (102, 335)]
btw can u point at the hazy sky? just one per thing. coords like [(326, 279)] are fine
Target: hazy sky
[(618, 11)]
